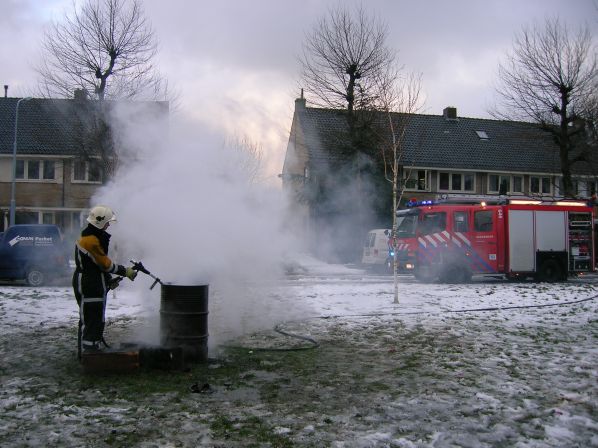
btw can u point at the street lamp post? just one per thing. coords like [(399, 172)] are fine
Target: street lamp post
[(14, 163)]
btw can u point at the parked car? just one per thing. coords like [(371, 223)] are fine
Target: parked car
[(35, 253), (375, 250)]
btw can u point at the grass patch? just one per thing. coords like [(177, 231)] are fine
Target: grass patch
[(252, 429)]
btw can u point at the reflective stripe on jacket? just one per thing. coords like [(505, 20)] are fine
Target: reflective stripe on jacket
[(93, 266)]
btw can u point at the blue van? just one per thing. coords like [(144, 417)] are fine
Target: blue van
[(35, 253)]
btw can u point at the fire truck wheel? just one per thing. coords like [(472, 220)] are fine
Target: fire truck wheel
[(424, 275), (455, 274), (465, 275), (550, 271)]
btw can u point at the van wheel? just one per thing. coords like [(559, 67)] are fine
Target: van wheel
[(550, 271), (35, 276)]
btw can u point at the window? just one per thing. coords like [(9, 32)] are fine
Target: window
[(35, 170), (559, 190), (86, 171), (468, 182), (47, 218), (497, 182), (581, 188), (433, 223), (443, 181), (539, 185), (20, 170), (35, 217), (482, 221), (48, 170), (460, 223), (93, 172), (511, 184), (79, 170), (406, 226), (517, 184), (370, 239), (455, 182), (482, 135), (416, 180), (576, 186), (75, 222), (26, 218)]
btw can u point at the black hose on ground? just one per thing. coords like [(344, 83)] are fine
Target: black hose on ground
[(277, 329)]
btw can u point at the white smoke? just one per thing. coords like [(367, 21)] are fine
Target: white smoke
[(186, 207)]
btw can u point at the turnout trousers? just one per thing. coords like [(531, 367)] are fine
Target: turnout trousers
[(91, 317)]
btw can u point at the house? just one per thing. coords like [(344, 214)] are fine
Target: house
[(440, 155), (57, 167)]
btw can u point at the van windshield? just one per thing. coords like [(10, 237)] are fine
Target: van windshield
[(406, 225)]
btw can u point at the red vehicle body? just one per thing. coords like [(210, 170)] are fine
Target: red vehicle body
[(451, 241)]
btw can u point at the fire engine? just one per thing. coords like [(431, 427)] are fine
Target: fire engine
[(451, 240)]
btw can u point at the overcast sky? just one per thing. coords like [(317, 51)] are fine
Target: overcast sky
[(234, 62)]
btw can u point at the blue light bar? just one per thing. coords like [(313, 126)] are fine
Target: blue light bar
[(414, 203)]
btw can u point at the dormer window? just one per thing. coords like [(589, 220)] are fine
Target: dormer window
[(482, 135)]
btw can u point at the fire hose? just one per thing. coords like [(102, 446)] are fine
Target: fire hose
[(136, 266)]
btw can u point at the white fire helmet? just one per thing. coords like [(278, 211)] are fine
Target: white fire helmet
[(100, 215)]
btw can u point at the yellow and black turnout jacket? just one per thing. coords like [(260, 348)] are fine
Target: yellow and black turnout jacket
[(93, 266)]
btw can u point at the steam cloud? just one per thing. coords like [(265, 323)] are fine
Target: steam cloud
[(186, 207)]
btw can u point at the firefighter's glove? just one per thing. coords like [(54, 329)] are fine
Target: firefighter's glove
[(113, 284), (131, 274)]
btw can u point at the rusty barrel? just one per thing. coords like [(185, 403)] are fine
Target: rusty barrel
[(184, 320)]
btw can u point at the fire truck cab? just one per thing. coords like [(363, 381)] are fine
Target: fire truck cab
[(452, 240)]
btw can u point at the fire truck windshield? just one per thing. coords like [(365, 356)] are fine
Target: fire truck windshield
[(406, 225)]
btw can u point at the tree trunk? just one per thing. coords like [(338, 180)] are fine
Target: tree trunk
[(564, 146), (394, 233)]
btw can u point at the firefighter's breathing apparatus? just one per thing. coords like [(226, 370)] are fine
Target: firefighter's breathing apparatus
[(137, 266)]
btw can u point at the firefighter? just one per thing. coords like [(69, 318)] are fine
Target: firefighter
[(92, 277)]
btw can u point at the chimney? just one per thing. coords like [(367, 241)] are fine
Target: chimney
[(5, 91), (300, 102), (80, 95), (450, 113)]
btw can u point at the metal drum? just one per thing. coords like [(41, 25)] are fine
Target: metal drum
[(184, 320)]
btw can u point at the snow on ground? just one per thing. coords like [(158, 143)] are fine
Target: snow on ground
[(485, 364)]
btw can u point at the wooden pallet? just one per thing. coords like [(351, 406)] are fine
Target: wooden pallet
[(132, 357), (111, 361)]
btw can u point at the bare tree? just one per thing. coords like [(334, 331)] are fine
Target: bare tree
[(344, 59), (247, 155), (397, 104), (102, 51), (549, 78), (105, 48), (346, 65)]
